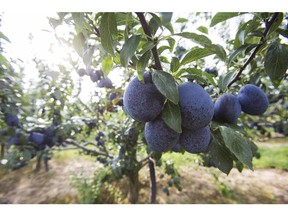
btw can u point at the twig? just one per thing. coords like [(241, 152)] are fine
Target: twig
[(147, 31), (73, 142), (260, 44), (152, 181)]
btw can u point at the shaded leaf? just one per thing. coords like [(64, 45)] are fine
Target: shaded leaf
[(171, 115), (237, 145), (276, 62), (143, 62), (241, 49), (108, 31), (220, 155), (166, 84), (225, 79), (276, 23), (129, 49)]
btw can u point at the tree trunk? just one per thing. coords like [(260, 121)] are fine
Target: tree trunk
[(38, 163), (2, 151), (133, 187)]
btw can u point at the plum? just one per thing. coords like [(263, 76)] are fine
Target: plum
[(11, 120), (142, 101), (196, 106), (81, 72), (227, 109), (105, 83), (253, 100), (112, 96), (195, 141), (39, 139), (159, 136)]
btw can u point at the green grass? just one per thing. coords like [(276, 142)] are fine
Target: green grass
[(272, 157)]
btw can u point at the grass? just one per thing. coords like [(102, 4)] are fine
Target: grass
[(272, 157)]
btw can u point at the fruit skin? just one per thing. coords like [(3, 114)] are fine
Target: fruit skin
[(196, 105), (142, 101), (112, 96), (39, 139), (195, 141), (253, 100), (105, 83), (159, 136), (81, 72), (11, 120), (227, 109)]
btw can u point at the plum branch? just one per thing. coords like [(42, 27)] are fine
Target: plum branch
[(260, 44), (90, 151), (147, 31)]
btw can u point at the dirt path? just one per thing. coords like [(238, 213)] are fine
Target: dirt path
[(200, 185)]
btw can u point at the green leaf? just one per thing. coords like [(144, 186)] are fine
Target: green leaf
[(195, 54), (162, 48), (171, 42), (175, 64), (147, 46), (196, 38), (225, 79), (108, 31), (276, 23), (166, 84), (143, 62), (4, 61), (129, 49), (171, 115), (78, 20), (220, 155), (107, 64), (276, 62), (240, 49), (238, 145), (203, 29), (222, 16), (4, 37), (181, 20), (218, 50), (79, 43), (166, 17), (198, 75)]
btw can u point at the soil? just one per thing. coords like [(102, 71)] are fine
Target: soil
[(200, 185)]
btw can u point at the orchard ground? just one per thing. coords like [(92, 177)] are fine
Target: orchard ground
[(267, 184)]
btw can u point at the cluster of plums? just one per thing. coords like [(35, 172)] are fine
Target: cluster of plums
[(144, 103), (96, 76)]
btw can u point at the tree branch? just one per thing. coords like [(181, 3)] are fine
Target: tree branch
[(147, 31), (260, 44), (91, 151)]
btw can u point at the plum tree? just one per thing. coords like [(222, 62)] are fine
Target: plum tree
[(159, 136), (227, 109), (195, 141), (196, 106), (253, 100), (142, 101)]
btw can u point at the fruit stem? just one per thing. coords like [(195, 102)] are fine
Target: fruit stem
[(149, 38), (260, 44)]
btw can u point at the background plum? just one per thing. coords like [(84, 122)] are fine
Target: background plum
[(227, 109), (253, 100)]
